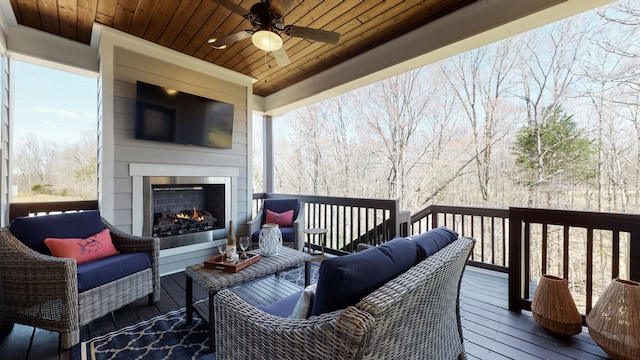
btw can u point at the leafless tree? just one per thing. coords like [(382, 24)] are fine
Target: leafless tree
[(394, 110), (33, 162), (481, 80)]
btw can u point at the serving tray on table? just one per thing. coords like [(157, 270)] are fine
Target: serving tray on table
[(218, 263)]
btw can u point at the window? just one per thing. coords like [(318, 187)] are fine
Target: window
[(53, 134)]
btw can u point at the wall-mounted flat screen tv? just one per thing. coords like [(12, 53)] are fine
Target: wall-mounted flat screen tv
[(168, 115)]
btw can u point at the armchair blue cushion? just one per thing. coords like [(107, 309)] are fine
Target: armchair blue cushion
[(102, 271)]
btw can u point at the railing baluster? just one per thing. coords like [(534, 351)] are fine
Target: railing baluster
[(565, 252), (367, 225), (504, 242), (344, 228), (545, 256), (493, 248), (527, 259), (589, 269), (615, 266), (482, 245)]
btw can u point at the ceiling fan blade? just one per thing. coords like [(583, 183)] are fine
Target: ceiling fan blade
[(229, 39), (233, 7), (329, 37), (281, 57), (280, 7)]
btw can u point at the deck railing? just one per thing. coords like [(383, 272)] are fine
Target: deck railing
[(42, 208), (586, 248), (488, 226)]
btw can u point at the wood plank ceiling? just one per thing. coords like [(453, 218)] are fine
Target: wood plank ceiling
[(185, 26)]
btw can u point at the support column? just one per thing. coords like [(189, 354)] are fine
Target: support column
[(267, 151)]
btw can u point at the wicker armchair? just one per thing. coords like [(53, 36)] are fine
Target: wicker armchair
[(414, 316), (291, 236), (42, 291)]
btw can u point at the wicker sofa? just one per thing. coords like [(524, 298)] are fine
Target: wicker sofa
[(415, 315), (56, 293)]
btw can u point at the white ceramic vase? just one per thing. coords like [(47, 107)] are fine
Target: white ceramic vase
[(270, 239)]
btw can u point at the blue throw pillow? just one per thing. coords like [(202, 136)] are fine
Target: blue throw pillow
[(32, 230), (434, 240), (344, 280)]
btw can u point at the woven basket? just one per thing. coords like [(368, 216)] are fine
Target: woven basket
[(614, 322), (553, 307)]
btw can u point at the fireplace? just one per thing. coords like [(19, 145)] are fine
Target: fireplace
[(183, 210)]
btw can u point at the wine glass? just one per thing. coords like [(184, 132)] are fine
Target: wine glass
[(222, 248), (245, 241)]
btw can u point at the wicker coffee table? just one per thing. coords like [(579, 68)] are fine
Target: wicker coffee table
[(215, 280)]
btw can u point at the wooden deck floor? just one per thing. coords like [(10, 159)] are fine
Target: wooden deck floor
[(490, 330)]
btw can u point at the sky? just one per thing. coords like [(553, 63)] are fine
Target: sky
[(54, 105)]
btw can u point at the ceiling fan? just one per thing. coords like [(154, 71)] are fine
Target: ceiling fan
[(267, 27)]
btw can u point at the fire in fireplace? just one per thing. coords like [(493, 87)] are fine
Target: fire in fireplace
[(168, 223), (184, 211)]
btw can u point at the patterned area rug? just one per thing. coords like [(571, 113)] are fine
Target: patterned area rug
[(166, 336), (296, 275)]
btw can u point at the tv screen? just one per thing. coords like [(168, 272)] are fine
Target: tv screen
[(169, 115)]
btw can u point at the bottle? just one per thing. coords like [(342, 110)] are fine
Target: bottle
[(232, 255)]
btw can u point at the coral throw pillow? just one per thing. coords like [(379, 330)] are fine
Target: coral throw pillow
[(281, 219), (94, 247)]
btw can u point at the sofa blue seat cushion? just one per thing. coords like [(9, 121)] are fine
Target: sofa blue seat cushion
[(99, 272), (432, 241), (32, 230), (283, 307), (344, 280)]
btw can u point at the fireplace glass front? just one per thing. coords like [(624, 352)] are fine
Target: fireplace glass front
[(185, 211)]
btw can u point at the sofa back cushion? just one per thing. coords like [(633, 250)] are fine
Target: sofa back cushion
[(32, 230), (344, 280), (432, 241)]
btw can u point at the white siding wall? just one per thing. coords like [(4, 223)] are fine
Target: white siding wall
[(125, 61)]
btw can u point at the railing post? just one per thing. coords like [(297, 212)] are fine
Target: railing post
[(404, 218), (394, 219), (434, 217), (515, 260)]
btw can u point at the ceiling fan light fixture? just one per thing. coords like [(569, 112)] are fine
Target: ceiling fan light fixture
[(266, 40)]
